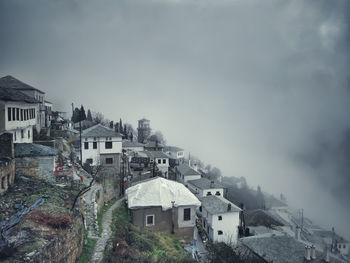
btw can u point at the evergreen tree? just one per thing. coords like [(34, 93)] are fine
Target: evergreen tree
[(125, 132), (260, 198), (82, 115), (120, 126), (117, 127), (89, 116), (111, 124), (131, 136), (76, 115)]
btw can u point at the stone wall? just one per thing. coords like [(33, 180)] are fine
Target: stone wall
[(7, 174), (37, 167), (66, 248)]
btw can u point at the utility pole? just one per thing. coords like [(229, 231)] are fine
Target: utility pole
[(81, 146)]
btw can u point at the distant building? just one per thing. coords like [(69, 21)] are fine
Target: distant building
[(130, 146), (220, 218), (154, 146), (143, 130), (42, 111), (101, 145), (184, 173), (174, 152), (204, 187), (161, 160), (165, 206), (18, 114), (7, 162)]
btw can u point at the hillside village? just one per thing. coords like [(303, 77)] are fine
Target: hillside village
[(78, 188)]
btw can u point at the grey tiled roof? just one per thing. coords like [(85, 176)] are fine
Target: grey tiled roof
[(33, 150), (185, 169), (11, 82), (204, 183), (218, 205), (172, 149), (100, 131), (153, 144), (280, 248), (155, 154), (9, 94)]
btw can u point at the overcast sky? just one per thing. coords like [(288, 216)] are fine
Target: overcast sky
[(259, 89)]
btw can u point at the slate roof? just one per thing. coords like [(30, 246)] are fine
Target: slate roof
[(99, 131), (9, 94), (153, 144), (33, 150), (155, 154), (218, 205), (280, 248), (185, 169), (260, 217), (132, 144), (204, 183), (11, 82), (172, 149)]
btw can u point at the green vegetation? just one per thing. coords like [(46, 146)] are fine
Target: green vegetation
[(102, 211), (133, 244), (88, 249)]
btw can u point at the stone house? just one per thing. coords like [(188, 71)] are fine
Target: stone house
[(161, 160), (165, 206), (18, 113), (174, 152), (7, 162), (35, 160)]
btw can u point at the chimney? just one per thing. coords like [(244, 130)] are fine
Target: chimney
[(326, 254), (313, 252), (228, 207), (297, 232), (307, 253), (211, 184)]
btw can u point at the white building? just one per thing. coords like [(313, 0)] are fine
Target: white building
[(34, 93), (204, 187), (101, 145), (161, 160), (184, 173), (17, 114), (174, 152), (220, 218)]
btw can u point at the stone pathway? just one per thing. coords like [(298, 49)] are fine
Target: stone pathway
[(106, 233)]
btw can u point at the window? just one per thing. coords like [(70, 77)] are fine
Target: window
[(200, 209), (22, 134), (149, 220), (209, 193), (21, 114), (9, 114), (17, 114), (217, 193), (159, 161), (106, 138), (187, 214), (28, 134), (108, 145), (220, 232), (15, 136), (109, 160), (86, 145), (164, 161), (34, 113), (94, 145), (219, 218), (13, 114)]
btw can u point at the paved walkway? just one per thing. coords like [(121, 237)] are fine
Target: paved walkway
[(106, 233)]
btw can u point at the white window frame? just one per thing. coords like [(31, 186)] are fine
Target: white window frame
[(153, 220)]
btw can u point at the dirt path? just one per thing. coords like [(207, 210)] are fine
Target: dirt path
[(106, 233)]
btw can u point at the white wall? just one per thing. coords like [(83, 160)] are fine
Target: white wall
[(163, 167), (189, 223), (228, 225), (94, 154), (191, 177)]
